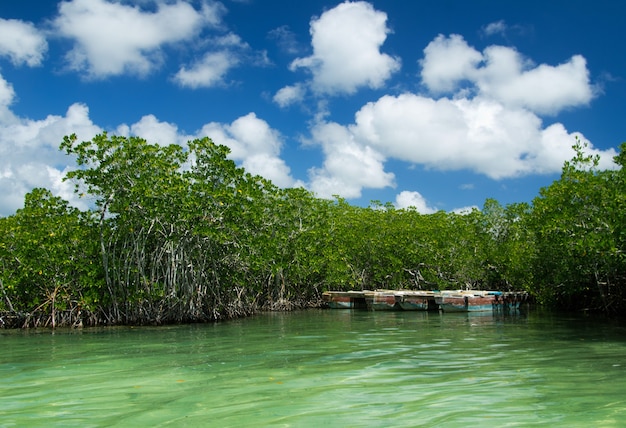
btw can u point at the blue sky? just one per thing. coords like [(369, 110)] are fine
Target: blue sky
[(433, 104)]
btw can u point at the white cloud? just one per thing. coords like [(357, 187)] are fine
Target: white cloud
[(454, 134), (28, 140), (112, 38), (230, 40), (22, 42), (228, 52), (289, 95), (30, 155), (346, 44), (477, 134), (448, 61), (246, 136), (497, 27), (7, 95), (348, 166), (544, 89), (272, 168), (502, 74), (209, 71), (64, 188), (556, 147), (406, 199), (153, 131), (255, 145)]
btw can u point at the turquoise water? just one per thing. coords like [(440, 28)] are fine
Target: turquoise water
[(337, 368)]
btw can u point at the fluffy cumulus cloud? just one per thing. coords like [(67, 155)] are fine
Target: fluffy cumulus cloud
[(447, 62), (112, 38), (348, 167), (153, 131), (22, 42), (30, 156), (407, 199), (346, 44), (228, 52), (485, 113), (207, 72), (254, 145), (450, 134), (7, 95), (289, 95), (475, 134), (504, 75)]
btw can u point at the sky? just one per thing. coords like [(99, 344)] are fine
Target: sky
[(434, 104)]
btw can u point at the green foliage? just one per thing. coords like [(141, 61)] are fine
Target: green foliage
[(182, 234), (49, 262), (508, 245), (579, 227)]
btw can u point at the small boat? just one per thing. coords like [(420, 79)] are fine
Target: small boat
[(415, 300), (420, 300), (467, 300), (381, 300), (344, 299)]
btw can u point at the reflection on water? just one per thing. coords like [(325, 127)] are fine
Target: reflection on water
[(329, 368)]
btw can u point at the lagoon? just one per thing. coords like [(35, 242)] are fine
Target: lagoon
[(336, 368)]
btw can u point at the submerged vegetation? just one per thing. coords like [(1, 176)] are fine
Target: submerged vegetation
[(184, 235)]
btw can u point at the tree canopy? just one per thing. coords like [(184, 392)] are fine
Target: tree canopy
[(181, 234)]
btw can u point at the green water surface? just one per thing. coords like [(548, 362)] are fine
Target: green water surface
[(337, 368)]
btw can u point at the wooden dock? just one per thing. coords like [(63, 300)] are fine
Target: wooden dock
[(419, 300)]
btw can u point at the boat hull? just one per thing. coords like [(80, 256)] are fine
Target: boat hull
[(415, 304), (344, 300), (381, 301), (415, 300), (462, 301), (420, 300)]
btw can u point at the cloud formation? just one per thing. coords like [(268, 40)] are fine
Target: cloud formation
[(346, 43), (153, 131), (207, 72), (30, 156), (289, 95), (254, 145), (406, 199), (348, 166), (114, 38), (227, 52), (484, 113), (502, 74), (485, 110), (22, 42)]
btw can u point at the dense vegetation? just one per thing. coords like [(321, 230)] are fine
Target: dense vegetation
[(183, 235)]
